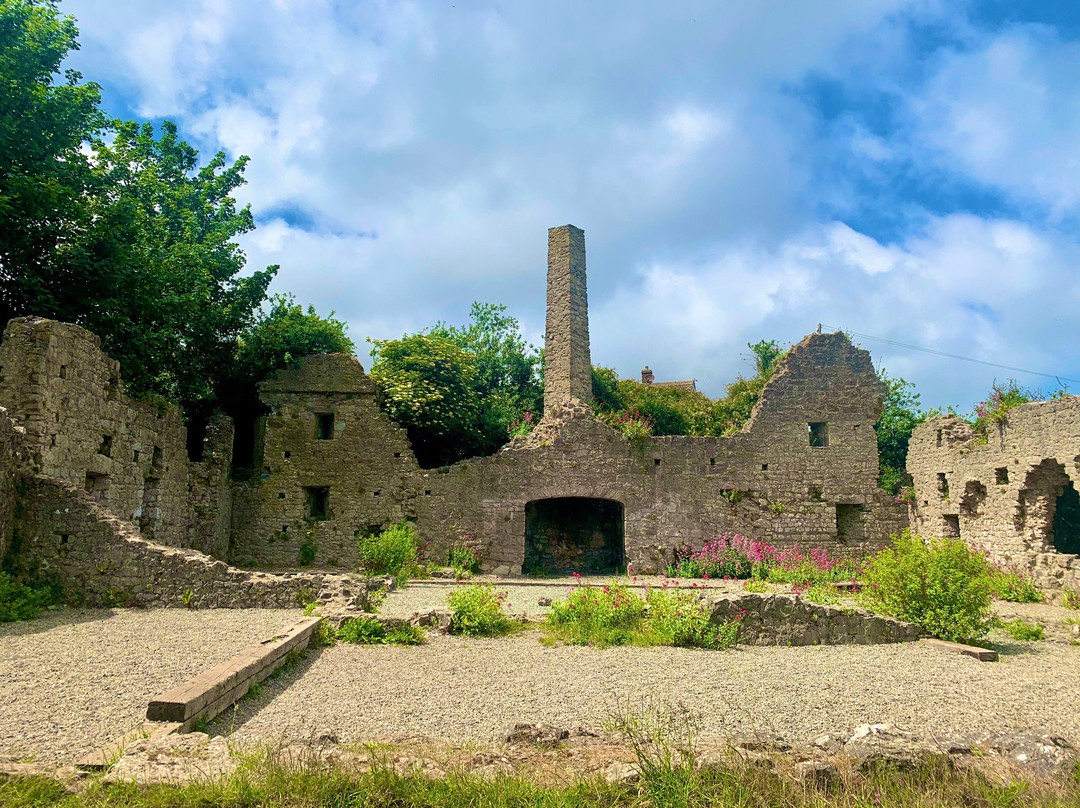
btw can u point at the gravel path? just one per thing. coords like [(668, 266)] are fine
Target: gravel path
[(74, 680), (458, 689)]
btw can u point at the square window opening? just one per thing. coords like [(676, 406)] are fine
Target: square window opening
[(324, 425), (764, 466), (317, 503), (819, 434), (656, 461), (106, 446), (943, 484), (1001, 476)]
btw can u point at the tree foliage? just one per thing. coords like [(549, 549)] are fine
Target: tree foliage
[(109, 226), (672, 411), (899, 417), (458, 389)]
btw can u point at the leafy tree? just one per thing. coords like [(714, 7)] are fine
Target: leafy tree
[(284, 333), (45, 118), (507, 381), (135, 243), (899, 417), (427, 384)]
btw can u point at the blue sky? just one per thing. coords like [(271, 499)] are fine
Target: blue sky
[(742, 170)]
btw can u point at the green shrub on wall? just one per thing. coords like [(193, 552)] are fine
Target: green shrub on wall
[(391, 552)]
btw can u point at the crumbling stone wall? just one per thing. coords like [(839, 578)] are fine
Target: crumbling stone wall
[(327, 440), (10, 460), (81, 429), (102, 560), (1000, 494), (765, 482)]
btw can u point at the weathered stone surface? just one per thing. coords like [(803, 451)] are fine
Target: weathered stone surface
[(791, 620), (567, 363), (175, 759), (536, 734), (1001, 495)]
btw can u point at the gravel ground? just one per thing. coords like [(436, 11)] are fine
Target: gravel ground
[(76, 679), (462, 690)]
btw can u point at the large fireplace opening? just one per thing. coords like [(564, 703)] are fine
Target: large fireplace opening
[(573, 534)]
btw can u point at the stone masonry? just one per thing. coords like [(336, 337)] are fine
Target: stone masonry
[(567, 364), (96, 470), (1003, 494), (333, 468)]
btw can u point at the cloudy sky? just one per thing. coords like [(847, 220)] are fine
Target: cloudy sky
[(742, 170)]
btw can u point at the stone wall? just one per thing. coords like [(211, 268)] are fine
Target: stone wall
[(792, 620), (1001, 494), (10, 461), (333, 468), (81, 429), (102, 560), (767, 481)]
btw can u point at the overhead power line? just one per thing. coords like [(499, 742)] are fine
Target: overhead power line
[(947, 355)]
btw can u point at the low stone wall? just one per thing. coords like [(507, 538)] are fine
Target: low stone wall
[(792, 620), (1057, 571), (102, 560)]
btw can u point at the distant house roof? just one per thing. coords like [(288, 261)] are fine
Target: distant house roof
[(647, 377)]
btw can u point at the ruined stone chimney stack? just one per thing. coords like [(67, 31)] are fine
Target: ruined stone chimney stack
[(567, 364), (647, 376)]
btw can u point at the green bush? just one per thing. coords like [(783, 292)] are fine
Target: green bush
[(940, 585), (21, 602), (612, 615), (1025, 632), (307, 552), (477, 611), (392, 552), (1010, 585), (371, 631), (755, 585)]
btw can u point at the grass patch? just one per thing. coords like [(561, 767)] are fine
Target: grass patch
[(669, 778), (1021, 630), (609, 615), (367, 630)]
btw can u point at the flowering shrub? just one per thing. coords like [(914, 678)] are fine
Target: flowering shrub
[(635, 426), (1014, 586), (995, 410), (1070, 599), (522, 426), (612, 615), (477, 611), (736, 556), (941, 585), (464, 555)]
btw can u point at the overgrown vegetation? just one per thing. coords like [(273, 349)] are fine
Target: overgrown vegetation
[(125, 230), (464, 556), (899, 417), (366, 630), (477, 611), (390, 552), (737, 557), (609, 615), (462, 391), (940, 585), (1014, 586), (1022, 630), (20, 601), (665, 757)]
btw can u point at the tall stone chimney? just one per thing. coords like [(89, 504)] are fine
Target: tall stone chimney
[(567, 365)]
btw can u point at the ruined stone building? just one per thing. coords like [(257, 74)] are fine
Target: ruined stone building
[(102, 490), (1011, 492)]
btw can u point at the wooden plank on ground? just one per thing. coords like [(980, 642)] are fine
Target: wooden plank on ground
[(981, 654), (211, 692)]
